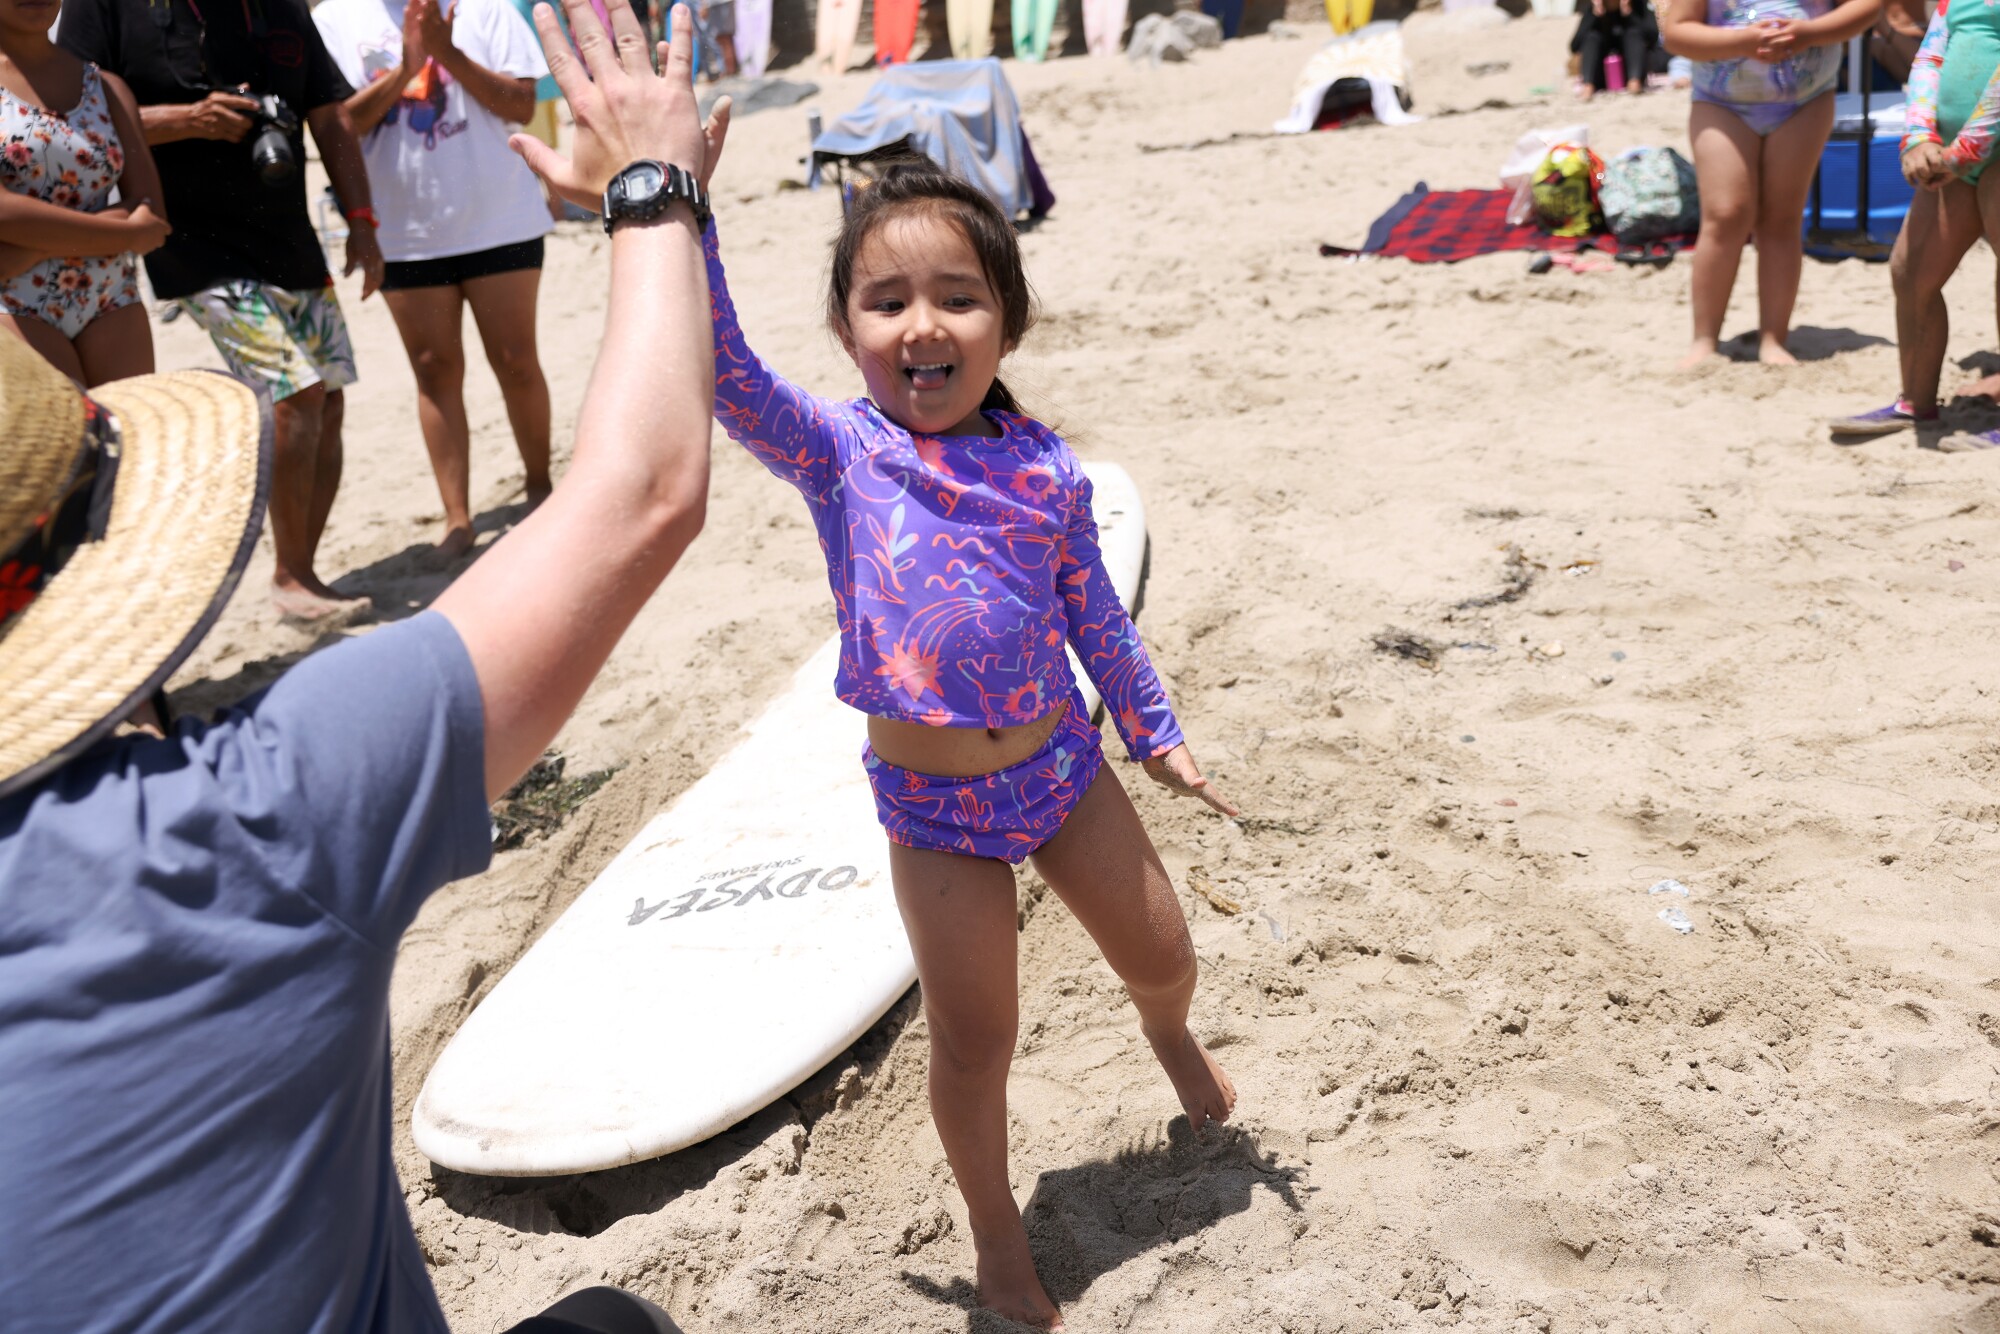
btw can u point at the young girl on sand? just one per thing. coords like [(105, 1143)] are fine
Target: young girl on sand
[(1763, 107), (69, 133), (962, 553)]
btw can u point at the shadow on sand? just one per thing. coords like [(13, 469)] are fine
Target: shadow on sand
[(397, 587), (1808, 343), (1083, 1222)]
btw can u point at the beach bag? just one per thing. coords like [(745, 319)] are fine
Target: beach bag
[(1649, 193), (1565, 191), (1517, 173)]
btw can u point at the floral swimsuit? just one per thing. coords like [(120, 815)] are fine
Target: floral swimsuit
[(73, 160), (1765, 96)]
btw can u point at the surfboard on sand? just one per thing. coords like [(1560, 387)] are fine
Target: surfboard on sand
[(747, 936), (1104, 25), (1033, 20), (895, 30), (971, 25), (753, 37), (835, 28)]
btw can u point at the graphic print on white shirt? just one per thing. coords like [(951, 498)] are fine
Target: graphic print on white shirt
[(444, 181)]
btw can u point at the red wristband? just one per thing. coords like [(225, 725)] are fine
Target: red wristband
[(366, 215)]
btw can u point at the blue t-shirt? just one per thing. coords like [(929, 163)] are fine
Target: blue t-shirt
[(196, 940)]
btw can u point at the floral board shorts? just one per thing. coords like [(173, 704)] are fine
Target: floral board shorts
[(1006, 814), (276, 339)]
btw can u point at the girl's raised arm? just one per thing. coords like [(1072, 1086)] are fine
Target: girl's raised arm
[(793, 433)]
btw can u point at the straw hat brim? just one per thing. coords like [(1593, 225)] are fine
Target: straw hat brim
[(125, 611)]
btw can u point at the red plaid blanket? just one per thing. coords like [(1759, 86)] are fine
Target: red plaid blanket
[(1430, 226)]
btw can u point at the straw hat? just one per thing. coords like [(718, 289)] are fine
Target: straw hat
[(162, 482)]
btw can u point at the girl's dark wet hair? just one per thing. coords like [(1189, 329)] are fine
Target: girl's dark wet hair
[(920, 188)]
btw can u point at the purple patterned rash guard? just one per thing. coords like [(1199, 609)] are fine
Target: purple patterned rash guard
[(959, 565)]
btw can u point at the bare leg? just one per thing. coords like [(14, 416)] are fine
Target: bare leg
[(503, 307), (1103, 866), (47, 340), (1726, 154), (429, 319), (727, 43), (959, 913), (1936, 233), (1791, 156), (332, 458), (296, 422), (116, 346)]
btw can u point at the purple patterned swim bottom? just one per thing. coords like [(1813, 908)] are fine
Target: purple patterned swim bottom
[(1006, 814)]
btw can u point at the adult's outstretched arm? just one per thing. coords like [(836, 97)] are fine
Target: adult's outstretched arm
[(542, 610)]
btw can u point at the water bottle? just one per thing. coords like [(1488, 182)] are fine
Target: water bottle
[(1614, 73)]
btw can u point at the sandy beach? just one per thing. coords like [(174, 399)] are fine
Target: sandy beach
[(1639, 625)]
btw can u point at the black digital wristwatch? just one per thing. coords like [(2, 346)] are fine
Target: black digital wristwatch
[(647, 189)]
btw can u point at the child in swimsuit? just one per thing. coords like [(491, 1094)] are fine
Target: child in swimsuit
[(962, 554), (1950, 112), (1763, 107), (68, 262)]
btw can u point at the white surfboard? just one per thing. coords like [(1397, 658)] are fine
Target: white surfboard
[(745, 938)]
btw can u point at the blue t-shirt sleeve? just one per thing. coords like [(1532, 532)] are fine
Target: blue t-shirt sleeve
[(361, 775)]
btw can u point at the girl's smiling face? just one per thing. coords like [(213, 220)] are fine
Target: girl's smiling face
[(925, 326)]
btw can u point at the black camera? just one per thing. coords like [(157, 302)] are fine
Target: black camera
[(273, 125)]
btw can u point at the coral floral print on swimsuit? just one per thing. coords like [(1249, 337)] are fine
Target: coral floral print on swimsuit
[(72, 161)]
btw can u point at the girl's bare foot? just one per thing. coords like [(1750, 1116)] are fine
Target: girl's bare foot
[(1008, 1284), (1205, 1092), (1771, 350), (457, 540), (1699, 351)]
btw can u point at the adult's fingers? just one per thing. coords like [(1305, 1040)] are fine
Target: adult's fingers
[(713, 134), (680, 48), (556, 169), (592, 38), (628, 38), (570, 76)]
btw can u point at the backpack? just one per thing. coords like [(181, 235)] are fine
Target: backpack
[(1650, 193), (1564, 190)]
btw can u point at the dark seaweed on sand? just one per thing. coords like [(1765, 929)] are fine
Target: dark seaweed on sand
[(536, 806)]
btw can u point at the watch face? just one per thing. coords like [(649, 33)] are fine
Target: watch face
[(642, 180)]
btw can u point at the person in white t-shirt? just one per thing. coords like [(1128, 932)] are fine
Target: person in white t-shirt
[(462, 217)]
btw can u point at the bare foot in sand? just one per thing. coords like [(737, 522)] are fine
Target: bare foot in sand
[(1008, 1283), (313, 602), (537, 494), (1771, 350), (1701, 350), (1205, 1092), (1987, 386), (457, 540)]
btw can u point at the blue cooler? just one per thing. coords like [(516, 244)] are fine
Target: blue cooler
[(1837, 187)]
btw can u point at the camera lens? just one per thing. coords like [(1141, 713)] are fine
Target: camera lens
[(271, 154)]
